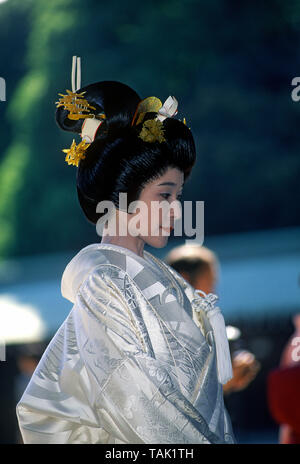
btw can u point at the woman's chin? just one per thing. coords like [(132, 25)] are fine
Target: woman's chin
[(157, 242)]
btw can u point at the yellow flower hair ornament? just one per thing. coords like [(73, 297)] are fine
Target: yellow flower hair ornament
[(152, 131), (76, 152)]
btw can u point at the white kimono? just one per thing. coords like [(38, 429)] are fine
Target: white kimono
[(132, 363)]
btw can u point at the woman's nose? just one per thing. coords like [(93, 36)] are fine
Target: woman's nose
[(175, 210)]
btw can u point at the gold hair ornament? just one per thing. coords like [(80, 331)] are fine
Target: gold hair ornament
[(184, 122), (79, 108), (76, 152), (153, 129), (76, 104)]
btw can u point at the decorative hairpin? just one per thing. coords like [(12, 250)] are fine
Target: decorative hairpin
[(76, 152), (79, 108), (153, 129), (76, 104)]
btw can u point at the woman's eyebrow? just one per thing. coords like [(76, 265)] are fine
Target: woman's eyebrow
[(169, 183)]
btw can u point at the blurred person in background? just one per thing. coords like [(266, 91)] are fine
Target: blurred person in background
[(284, 387), (200, 267), (27, 359)]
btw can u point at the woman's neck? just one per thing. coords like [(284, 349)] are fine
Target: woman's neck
[(135, 244)]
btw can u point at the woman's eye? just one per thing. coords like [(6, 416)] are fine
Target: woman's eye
[(165, 195)]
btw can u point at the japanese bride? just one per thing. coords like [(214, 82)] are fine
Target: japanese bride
[(142, 356)]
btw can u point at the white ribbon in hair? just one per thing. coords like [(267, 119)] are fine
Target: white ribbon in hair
[(76, 60), (90, 125), (168, 110), (217, 322), (89, 129)]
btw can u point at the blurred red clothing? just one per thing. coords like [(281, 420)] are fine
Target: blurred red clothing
[(283, 387), (290, 357)]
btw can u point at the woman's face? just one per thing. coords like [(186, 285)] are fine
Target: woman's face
[(161, 207)]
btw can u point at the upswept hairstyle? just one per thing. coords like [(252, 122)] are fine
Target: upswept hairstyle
[(118, 160)]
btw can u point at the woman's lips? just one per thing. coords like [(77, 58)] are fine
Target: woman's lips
[(167, 229)]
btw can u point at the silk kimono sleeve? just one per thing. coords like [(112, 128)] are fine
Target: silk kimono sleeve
[(99, 381)]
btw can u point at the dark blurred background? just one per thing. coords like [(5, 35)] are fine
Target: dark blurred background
[(230, 65)]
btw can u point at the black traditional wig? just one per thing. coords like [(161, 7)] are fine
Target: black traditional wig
[(118, 160)]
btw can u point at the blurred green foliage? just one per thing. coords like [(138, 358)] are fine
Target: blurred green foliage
[(230, 65)]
